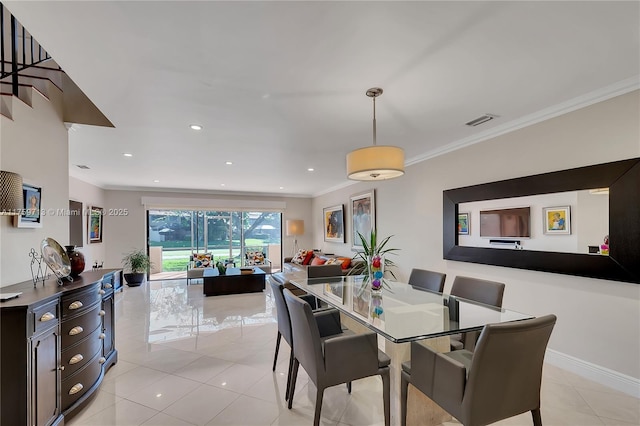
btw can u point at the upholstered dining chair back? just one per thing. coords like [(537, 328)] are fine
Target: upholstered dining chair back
[(501, 379), (483, 291), (322, 271), (282, 313), (427, 280), (333, 360)]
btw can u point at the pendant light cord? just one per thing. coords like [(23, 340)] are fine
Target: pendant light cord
[(374, 120)]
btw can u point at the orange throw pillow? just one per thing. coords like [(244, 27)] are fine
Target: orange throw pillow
[(318, 261), (346, 262), (308, 257)]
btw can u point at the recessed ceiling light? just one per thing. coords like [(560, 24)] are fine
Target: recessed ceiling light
[(126, 154), (222, 184), (228, 163), (282, 187), (156, 180), (196, 127), (310, 169)]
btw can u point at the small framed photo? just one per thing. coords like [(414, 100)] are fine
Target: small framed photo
[(463, 223), (333, 219), (557, 220), (31, 214), (95, 224)]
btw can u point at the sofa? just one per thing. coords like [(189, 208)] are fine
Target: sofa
[(302, 266), (306, 258)]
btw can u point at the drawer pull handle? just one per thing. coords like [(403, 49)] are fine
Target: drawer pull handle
[(102, 336), (48, 316), (107, 285), (61, 368), (76, 330), (101, 292), (76, 305), (102, 360), (76, 359), (76, 388), (101, 313)]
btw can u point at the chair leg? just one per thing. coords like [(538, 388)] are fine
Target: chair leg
[(286, 393), (349, 387), (316, 418), (275, 358), (404, 387), (292, 386), (537, 418), (386, 395)]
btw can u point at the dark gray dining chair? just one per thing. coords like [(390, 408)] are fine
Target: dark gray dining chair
[(483, 291), (322, 271), (333, 360), (501, 379), (328, 324), (427, 280)]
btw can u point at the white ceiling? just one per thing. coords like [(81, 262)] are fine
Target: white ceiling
[(279, 87)]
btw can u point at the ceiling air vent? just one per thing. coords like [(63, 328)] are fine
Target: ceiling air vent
[(482, 119), (82, 166)]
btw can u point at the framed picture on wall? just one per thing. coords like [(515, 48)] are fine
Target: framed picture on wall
[(463, 223), (95, 224), (31, 214), (557, 220), (333, 219), (363, 217)]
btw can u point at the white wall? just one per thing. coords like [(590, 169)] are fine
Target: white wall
[(34, 144), (124, 233), (598, 320), (89, 195)]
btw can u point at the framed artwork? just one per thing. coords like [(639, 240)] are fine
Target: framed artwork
[(31, 213), (333, 218), (463, 223), (557, 220), (363, 217), (95, 224)]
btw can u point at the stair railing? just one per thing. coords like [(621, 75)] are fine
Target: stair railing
[(18, 49)]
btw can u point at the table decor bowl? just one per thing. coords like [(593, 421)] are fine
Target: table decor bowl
[(245, 271)]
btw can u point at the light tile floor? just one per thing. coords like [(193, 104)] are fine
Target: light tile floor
[(189, 360)]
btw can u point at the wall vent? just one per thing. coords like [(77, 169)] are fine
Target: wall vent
[(482, 119), (82, 166)]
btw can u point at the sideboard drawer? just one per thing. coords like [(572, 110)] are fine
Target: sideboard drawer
[(75, 357), (76, 385), (75, 329), (45, 316), (78, 302)]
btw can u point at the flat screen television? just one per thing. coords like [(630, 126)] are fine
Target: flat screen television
[(506, 223)]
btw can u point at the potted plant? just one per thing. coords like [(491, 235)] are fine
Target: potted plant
[(373, 256), (138, 263)]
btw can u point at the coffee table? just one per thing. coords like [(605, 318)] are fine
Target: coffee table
[(233, 282)]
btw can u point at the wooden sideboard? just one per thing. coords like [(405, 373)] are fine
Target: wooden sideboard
[(56, 343)]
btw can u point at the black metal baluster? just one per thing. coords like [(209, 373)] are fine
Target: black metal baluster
[(14, 55)]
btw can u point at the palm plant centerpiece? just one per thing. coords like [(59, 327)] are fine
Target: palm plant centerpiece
[(374, 260)]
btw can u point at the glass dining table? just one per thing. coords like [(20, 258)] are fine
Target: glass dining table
[(404, 314)]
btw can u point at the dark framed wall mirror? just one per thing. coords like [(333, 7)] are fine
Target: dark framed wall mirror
[(622, 178)]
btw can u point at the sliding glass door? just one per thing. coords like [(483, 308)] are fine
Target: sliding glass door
[(176, 234)]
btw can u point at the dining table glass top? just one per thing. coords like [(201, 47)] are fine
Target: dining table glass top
[(407, 313)]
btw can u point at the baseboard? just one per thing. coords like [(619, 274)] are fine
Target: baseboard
[(604, 376)]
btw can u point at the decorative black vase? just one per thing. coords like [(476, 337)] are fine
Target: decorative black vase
[(77, 260)]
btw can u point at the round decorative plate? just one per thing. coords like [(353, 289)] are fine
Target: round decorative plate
[(55, 257)]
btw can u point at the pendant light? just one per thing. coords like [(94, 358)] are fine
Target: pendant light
[(376, 162)]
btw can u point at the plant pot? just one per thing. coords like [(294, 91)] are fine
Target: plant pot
[(134, 279)]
